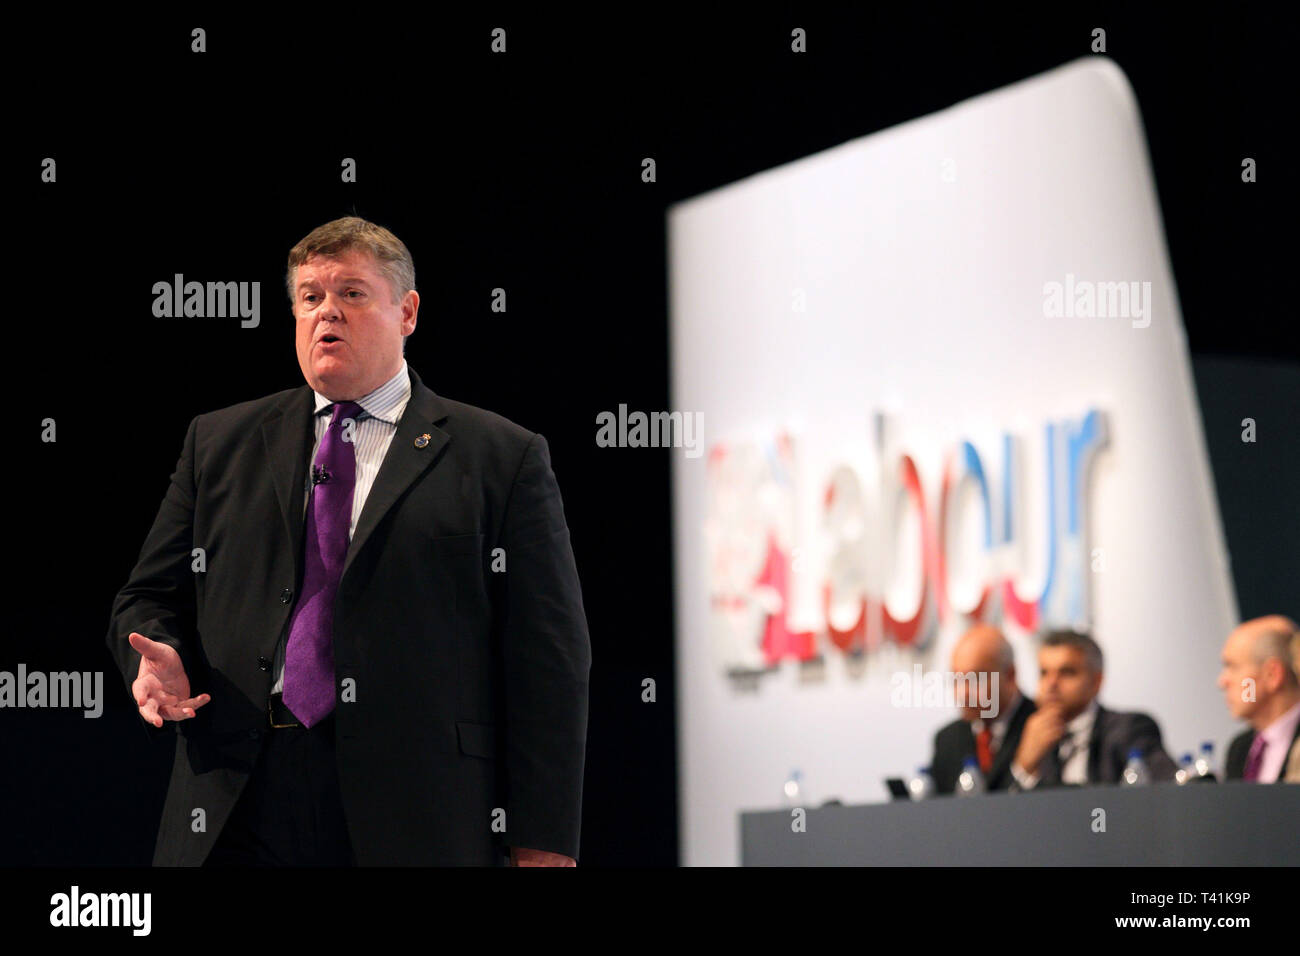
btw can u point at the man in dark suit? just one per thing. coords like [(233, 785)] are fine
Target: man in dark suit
[(1260, 687), (1071, 739), (358, 609), (991, 738)]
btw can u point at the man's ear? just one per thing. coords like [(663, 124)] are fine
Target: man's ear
[(1272, 675), (410, 311)]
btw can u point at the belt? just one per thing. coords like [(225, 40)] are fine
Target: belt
[(280, 715)]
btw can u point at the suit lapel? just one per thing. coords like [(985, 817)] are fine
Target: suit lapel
[(288, 436), (1281, 770), (404, 462)]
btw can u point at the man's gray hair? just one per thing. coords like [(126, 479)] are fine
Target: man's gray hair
[(1276, 637), (352, 233)]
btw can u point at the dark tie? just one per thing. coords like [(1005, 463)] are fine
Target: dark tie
[(309, 655), (1254, 759), (1057, 758)]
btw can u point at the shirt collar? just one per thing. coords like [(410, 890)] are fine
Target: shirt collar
[(384, 402), (1280, 731), (1082, 724)]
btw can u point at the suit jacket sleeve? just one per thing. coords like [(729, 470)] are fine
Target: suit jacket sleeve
[(546, 655), (1235, 766), (935, 762), (1144, 735), (158, 598), (943, 763)]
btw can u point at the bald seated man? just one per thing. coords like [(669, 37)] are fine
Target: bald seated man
[(991, 738), (1260, 687), (1292, 773)]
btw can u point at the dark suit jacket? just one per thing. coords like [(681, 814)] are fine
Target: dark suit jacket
[(1114, 734), (956, 741), (470, 683), (1239, 749)]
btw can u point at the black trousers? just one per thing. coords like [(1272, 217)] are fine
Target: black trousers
[(291, 811)]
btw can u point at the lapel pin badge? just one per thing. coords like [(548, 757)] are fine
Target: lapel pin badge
[(422, 441)]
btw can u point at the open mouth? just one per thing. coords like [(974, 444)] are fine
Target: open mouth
[(330, 338)]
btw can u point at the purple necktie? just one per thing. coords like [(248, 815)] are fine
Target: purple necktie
[(309, 656), (1254, 758)]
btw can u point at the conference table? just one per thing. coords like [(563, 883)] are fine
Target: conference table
[(1199, 824)]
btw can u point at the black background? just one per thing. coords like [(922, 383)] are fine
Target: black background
[(522, 171)]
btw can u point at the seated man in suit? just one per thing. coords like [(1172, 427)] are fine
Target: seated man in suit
[(1260, 686), (1293, 761), (1072, 739), (992, 741)]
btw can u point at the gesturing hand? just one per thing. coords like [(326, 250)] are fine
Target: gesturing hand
[(521, 856), (161, 688)]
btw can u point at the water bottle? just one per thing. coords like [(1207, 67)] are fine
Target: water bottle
[(793, 792), (921, 786), (971, 781), (1205, 764), (1186, 770), (1135, 771)]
